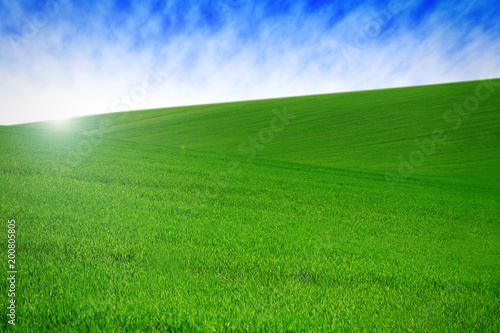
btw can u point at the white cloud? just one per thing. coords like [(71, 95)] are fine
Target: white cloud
[(63, 73)]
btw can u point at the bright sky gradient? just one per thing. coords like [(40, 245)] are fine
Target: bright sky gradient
[(64, 58)]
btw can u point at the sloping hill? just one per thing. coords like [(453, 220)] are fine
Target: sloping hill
[(413, 129), (193, 219)]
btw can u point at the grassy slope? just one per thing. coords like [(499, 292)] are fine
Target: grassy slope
[(357, 131), (143, 236), (126, 240)]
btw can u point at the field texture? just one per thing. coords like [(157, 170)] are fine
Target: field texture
[(369, 211)]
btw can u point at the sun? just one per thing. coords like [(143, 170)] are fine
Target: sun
[(59, 122)]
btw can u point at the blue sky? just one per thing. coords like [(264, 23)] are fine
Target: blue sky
[(62, 58)]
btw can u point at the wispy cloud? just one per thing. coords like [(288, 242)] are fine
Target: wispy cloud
[(59, 58)]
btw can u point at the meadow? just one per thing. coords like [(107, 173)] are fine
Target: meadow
[(157, 220)]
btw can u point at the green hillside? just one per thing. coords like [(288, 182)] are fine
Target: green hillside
[(154, 221), (365, 131)]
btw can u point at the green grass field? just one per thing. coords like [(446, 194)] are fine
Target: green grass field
[(227, 218)]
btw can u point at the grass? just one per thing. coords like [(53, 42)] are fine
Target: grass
[(143, 235), (364, 131)]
